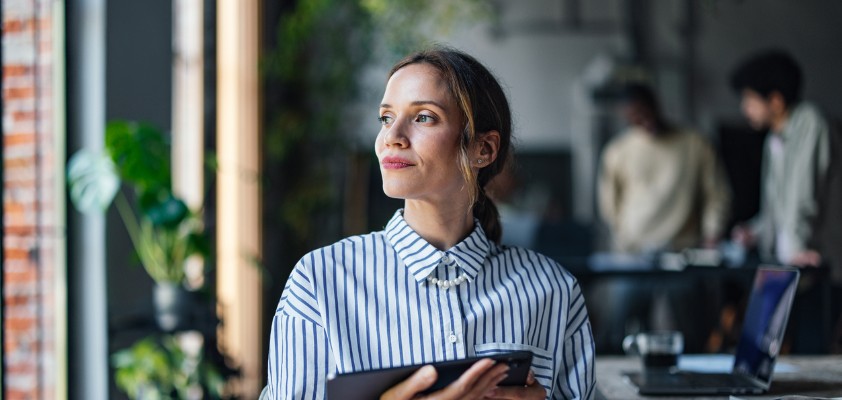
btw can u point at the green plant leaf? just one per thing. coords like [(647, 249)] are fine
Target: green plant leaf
[(93, 181), (156, 367), (168, 213), (141, 154)]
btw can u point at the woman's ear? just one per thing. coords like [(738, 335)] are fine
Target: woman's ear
[(487, 146)]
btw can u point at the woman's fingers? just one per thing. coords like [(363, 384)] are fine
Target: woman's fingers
[(483, 376), (479, 381), (530, 379), (490, 380), (532, 390), (420, 380), (518, 393)]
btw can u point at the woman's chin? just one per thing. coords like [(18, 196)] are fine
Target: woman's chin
[(394, 192)]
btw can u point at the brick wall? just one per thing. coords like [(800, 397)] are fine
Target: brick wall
[(33, 234)]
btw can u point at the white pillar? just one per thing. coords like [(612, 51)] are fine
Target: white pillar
[(188, 101), (89, 323), (188, 114)]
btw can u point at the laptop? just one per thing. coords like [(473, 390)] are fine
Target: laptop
[(760, 341)]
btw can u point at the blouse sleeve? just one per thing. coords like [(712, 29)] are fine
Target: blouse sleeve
[(299, 357), (576, 377)]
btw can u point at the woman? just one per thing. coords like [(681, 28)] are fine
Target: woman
[(435, 284)]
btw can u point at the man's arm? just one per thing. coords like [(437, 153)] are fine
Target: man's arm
[(609, 188), (716, 197)]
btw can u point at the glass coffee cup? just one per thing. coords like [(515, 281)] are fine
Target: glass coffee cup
[(658, 350)]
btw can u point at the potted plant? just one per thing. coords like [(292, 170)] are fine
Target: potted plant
[(164, 231), (167, 367)]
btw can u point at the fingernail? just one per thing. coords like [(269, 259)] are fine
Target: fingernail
[(428, 372)]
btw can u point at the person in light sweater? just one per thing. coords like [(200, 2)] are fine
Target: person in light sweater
[(661, 188)]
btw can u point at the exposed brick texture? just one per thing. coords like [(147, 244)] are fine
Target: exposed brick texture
[(33, 237)]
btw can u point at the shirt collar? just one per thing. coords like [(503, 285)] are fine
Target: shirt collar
[(795, 113), (422, 258)]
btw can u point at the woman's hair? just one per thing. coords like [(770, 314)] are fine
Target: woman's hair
[(484, 108)]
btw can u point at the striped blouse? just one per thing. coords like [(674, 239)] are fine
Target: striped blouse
[(365, 303)]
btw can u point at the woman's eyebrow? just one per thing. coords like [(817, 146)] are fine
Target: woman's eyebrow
[(418, 103), (426, 102)]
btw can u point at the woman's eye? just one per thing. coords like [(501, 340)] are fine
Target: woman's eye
[(385, 119), (423, 118)]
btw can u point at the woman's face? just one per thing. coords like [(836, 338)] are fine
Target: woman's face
[(418, 143)]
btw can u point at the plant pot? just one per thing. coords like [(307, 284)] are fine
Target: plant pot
[(172, 306)]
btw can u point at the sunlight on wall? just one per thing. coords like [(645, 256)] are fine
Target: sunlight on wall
[(238, 211)]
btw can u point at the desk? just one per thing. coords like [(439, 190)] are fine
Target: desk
[(623, 295), (819, 376)]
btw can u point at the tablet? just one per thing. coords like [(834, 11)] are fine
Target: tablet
[(367, 385)]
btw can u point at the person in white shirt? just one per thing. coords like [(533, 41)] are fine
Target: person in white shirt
[(800, 217), (796, 161), (435, 284)]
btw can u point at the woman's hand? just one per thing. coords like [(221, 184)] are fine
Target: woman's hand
[(532, 390), (476, 383)]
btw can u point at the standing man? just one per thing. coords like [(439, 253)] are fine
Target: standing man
[(800, 205), (661, 188)]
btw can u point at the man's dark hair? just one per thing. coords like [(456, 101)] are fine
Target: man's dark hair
[(646, 101), (769, 71), (640, 94)]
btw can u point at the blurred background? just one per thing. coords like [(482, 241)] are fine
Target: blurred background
[(166, 163)]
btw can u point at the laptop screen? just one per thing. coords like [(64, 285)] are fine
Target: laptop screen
[(765, 322)]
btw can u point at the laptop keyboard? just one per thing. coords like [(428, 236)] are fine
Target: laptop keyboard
[(695, 380), (726, 380)]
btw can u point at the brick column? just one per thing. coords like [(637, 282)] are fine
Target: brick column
[(34, 311)]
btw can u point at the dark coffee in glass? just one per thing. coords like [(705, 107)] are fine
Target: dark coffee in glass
[(658, 350), (660, 360)]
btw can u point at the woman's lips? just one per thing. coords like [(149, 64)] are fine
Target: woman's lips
[(395, 163)]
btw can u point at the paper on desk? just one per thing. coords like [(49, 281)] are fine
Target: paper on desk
[(794, 397), (719, 363)]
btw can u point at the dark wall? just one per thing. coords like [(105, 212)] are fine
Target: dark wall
[(138, 87)]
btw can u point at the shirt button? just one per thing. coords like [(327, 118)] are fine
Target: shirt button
[(452, 338), (445, 259)]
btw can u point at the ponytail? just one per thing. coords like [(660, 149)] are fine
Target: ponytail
[(489, 218)]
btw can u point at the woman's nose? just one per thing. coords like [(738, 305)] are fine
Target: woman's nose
[(395, 134)]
